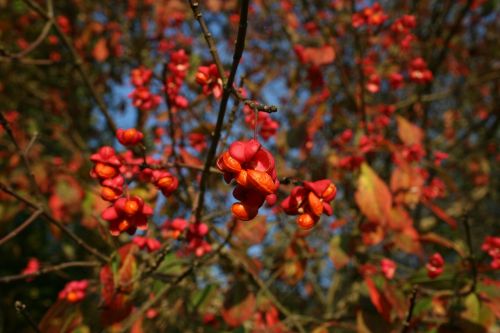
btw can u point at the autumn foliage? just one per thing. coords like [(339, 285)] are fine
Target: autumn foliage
[(249, 166)]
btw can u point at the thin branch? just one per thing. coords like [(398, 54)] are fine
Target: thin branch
[(258, 281), (228, 87), (50, 269), (77, 60), (21, 309), (36, 43), (127, 324), (262, 286), (359, 66), (55, 222), (198, 15), (23, 226), (428, 98), (28, 61), (470, 258), (409, 314), (22, 153), (171, 128), (443, 51), (195, 7), (256, 105)]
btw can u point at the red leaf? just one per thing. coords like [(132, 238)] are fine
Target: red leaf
[(116, 304), (128, 266), (372, 233), (379, 300), (236, 314), (441, 213), (107, 283), (61, 317)]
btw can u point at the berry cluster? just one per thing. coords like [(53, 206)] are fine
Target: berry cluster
[(419, 73), (127, 213), (173, 229), (388, 268), (32, 267), (435, 265), (310, 201), (195, 239), (404, 24), (142, 97), (177, 72), (372, 16), (74, 291), (150, 244), (210, 80), (266, 125), (253, 168), (492, 246)]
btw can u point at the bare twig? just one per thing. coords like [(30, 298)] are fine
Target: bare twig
[(23, 154), (260, 283), (77, 60), (256, 105), (55, 222), (263, 287), (20, 228), (21, 309), (28, 61), (127, 324), (195, 7), (198, 15), (228, 87), (470, 258), (50, 269), (171, 128), (409, 314), (36, 43)]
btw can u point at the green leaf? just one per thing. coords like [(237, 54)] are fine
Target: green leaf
[(422, 305), (201, 296)]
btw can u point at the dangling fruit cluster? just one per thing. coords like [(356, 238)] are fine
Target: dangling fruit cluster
[(127, 213), (310, 201), (253, 169)]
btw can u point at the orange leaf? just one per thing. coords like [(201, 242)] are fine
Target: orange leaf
[(319, 56), (406, 184), (189, 159), (373, 196), (251, 232), (407, 240), (128, 266), (337, 254), (409, 133), (100, 51)]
